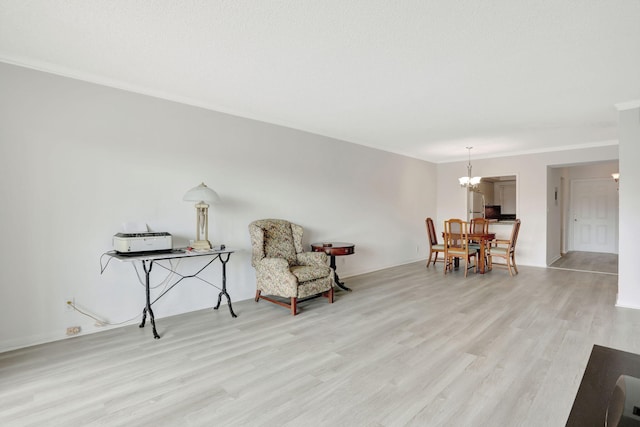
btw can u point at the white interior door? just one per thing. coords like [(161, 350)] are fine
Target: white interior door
[(594, 208)]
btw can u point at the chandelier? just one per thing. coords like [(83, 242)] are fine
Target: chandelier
[(469, 181)]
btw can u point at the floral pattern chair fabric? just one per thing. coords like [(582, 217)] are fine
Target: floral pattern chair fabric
[(283, 269)]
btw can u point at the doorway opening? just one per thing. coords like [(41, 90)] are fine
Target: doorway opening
[(582, 217)]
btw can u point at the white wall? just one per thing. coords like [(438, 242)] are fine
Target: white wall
[(589, 171), (77, 160), (532, 192), (628, 271)]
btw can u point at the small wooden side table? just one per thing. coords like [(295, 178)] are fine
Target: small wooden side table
[(334, 249)]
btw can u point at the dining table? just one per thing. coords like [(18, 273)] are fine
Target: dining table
[(484, 239)]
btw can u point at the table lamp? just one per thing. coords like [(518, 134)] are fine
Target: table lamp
[(202, 195)]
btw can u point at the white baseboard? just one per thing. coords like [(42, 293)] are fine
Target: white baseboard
[(622, 304)]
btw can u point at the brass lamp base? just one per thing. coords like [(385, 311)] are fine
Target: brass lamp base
[(201, 245)]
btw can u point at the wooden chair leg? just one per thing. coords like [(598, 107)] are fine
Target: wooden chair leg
[(507, 260), (435, 258), (294, 306), (258, 295), (329, 295), (513, 261), (466, 265)]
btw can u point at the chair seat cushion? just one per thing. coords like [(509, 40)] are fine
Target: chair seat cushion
[(437, 247), (304, 273), (461, 252)]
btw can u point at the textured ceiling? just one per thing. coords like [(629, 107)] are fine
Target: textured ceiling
[(424, 78)]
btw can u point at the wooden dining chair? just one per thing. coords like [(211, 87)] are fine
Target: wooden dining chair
[(479, 226), (434, 246), (505, 249), (457, 245)]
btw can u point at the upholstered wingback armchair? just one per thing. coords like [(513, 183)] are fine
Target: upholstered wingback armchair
[(283, 269)]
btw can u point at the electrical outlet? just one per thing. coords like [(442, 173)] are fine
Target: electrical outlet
[(70, 302), (73, 330)]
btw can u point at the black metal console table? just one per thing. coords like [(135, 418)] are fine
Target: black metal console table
[(148, 260)]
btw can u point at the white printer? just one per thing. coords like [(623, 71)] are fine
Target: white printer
[(142, 242)]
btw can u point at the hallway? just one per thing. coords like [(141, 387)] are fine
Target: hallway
[(596, 262)]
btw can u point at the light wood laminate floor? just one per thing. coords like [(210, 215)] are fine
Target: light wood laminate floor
[(409, 346), (596, 262)]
